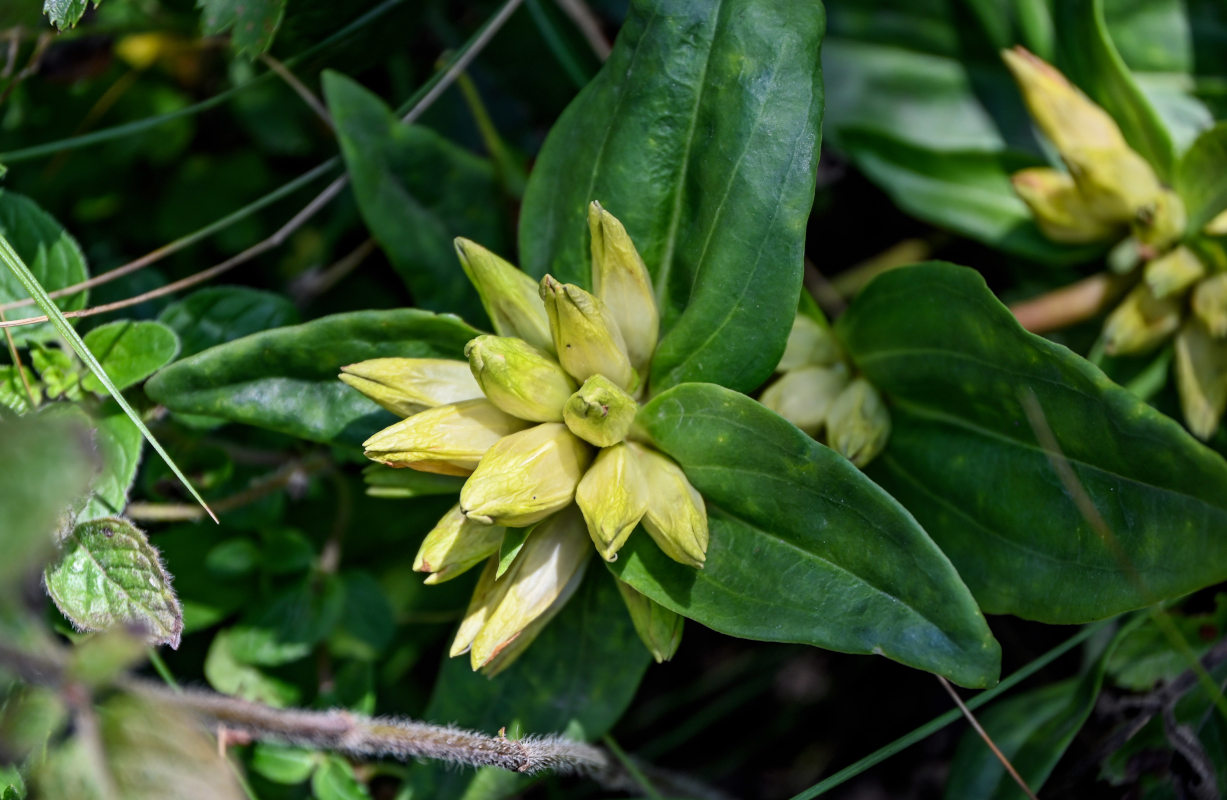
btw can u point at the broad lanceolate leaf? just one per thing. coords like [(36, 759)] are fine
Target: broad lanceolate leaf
[(118, 444), (1199, 177), (53, 256), (417, 192), (108, 574), (252, 23), (129, 351), (804, 548), (221, 314), (964, 458), (701, 134), (286, 379)]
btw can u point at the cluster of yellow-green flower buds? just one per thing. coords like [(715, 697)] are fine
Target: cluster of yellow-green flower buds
[(817, 392), (538, 420), (1111, 191)]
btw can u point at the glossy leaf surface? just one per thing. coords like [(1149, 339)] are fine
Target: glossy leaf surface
[(129, 351), (701, 135), (804, 548), (221, 314), (964, 458)]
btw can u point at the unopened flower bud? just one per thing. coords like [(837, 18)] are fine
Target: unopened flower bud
[(1201, 378), (545, 573), (858, 423), (676, 518), (509, 296), (1210, 303), (803, 396), (600, 413), (1120, 185), (810, 343), (519, 378), (1217, 226), (659, 629), (621, 280), (455, 545), (450, 439), (1140, 322), (1161, 223), (486, 594), (613, 498), (586, 336), (526, 476), (1061, 212), (1172, 273), (406, 386)]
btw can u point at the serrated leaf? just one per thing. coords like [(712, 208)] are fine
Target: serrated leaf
[(701, 135), (804, 548), (108, 575), (129, 351), (52, 254), (1199, 177), (252, 23), (66, 13), (13, 394), (955, 366), (286, 379), (222, 314)]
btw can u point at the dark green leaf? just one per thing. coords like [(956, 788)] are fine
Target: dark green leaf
[(224, 313), (107, 574), (701, 135), (118, 444), (1147, 655), (335, 780), (956, 366), (130, 352), (66, 13), (52, 255), (1199, 177), (366, 625), (286, 379), (286, 627), (283, 763), (417, 192), (804, 548), (252, 23)]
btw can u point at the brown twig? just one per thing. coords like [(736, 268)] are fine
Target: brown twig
[(988, 740), (299, 88), (583, 18), (8, 337)]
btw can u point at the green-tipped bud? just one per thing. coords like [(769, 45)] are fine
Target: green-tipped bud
[(406, 386), (1210, 304), (509, 296), (659, 629), (526, 476), (1170, 274), (485, 597), (586, 336), (600, 413), (676, 518), (621, 280), (450, 439), (858, 423), (1201, 378), (455, 545), (518, 378), (810, 343), (545, 573), (1061, 212), (1140, 322), (1217, 226), (613, 498), (803, 396)]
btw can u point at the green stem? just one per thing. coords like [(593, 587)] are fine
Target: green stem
[(631, 768)]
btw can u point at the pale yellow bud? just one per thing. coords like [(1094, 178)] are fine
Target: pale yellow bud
[(520, 379), (526, 476), (676, 518), (1174, 272), (485, 597), (810, 343), (1210, 303), (600, 413), (586, 336), (509, 296), (455, 545), (450, 439), (858, 423), (1140, 322), (1201, 378), (545, 573), (1061, 212), (1217, 226), (659, 629), (803, 396), (613, 498), (406, 386), (1120, 185), (1161, 223), (621, 280)]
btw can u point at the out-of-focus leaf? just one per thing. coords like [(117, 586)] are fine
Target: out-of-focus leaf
[(252, 23), (335, 780), (13, 394), (222, 314), (53, 256), (804, 548), (1199, 177), (68, 771), (288, 626), (283, 763), (366, 624), (108, 574), (963, 457), (129, 351), (118, 444), (1145, 655), (230, 676), (286, 379), (417, 192), (701, 135)]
